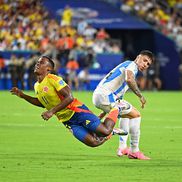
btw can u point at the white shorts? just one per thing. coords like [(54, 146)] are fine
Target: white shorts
[(107, 102)]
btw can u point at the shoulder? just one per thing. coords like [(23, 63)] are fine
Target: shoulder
[(129, 63), (54, 77), (36, 84), (56, 81)]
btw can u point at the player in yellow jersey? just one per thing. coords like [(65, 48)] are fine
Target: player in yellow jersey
[(55, 95)]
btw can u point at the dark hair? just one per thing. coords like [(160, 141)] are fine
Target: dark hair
[(149, 54), (51, 62)]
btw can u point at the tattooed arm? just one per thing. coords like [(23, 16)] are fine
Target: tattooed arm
[(130, 79)]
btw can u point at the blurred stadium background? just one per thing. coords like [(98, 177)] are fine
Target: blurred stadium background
[(86, 39), (90, 39)]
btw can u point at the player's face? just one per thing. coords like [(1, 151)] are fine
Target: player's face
[(143, 62), (41, 67)]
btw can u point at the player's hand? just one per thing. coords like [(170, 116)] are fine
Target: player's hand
[(143, 101), (46, 115), (16, 91)]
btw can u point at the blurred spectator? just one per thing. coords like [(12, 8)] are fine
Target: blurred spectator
[(90, 32), (2, 63), (13, 70), (179, 41), (150, 80), (72, 77), (153, 78), (21, 71), (82, 24), (142, 80), (2, 66), (66, 16), (16, 69), (29, 66), (102, 34), (180, 78), (84, 81)]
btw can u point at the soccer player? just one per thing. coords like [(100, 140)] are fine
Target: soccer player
[(109, 93), (55, 95)]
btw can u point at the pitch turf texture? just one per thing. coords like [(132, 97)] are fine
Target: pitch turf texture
[(32, 150)]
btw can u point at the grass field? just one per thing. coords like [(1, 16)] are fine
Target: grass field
[(32, 150)]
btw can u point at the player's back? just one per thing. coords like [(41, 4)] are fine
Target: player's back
[(114, 81)]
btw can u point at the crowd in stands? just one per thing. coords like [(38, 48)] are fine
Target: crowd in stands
[(165, 16), (26, 25)]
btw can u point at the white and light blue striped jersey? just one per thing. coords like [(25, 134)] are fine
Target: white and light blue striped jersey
[(114, 82)]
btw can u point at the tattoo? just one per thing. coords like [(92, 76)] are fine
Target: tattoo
[(133, 85)]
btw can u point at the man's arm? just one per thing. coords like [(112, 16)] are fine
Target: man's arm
[(102, 114), (68, 98), (130, 79), (32, 100)]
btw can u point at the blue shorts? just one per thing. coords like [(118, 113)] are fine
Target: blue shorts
[(82, 123)]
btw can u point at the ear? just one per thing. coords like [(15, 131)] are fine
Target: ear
[(49, 70)]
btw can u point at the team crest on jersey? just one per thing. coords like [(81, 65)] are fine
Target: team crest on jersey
[(61, 82), (45, 89)]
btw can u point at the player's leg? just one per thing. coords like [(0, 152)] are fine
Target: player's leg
[(93, 123), (88, 128), (134, 130), (88, 138), (106, 103), (105, 128), (126, 108), (92, 140), (100, 131), (123, 149), (133, 118)]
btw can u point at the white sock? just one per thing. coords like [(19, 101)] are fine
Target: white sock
[(123, 124), (134, 130)]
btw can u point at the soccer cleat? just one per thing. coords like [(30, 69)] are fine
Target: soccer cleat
[(121, 152), (118, 131), (138, 155)]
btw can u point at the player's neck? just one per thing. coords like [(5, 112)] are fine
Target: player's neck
[(136, 62), (41, 77)]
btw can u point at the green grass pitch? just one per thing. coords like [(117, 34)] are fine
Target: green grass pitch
[(32, 150)]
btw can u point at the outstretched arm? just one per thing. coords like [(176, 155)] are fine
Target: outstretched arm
[(130, 79), (68, 98), (32, 100)]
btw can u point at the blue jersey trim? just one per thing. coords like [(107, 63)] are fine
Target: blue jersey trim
[(111, 98), (113, 75), (120, 88)]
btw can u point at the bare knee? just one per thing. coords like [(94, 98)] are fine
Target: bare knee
[(93, 141), (137, 114), (105, 128), (107, 131), (133, 114)]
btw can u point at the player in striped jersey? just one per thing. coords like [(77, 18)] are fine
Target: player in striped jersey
[(110, 92), (55, 95)]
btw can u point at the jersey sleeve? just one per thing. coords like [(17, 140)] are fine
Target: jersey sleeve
[(57, 82), (132, 67)]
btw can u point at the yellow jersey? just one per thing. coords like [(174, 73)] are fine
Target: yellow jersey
[(48, 94)]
